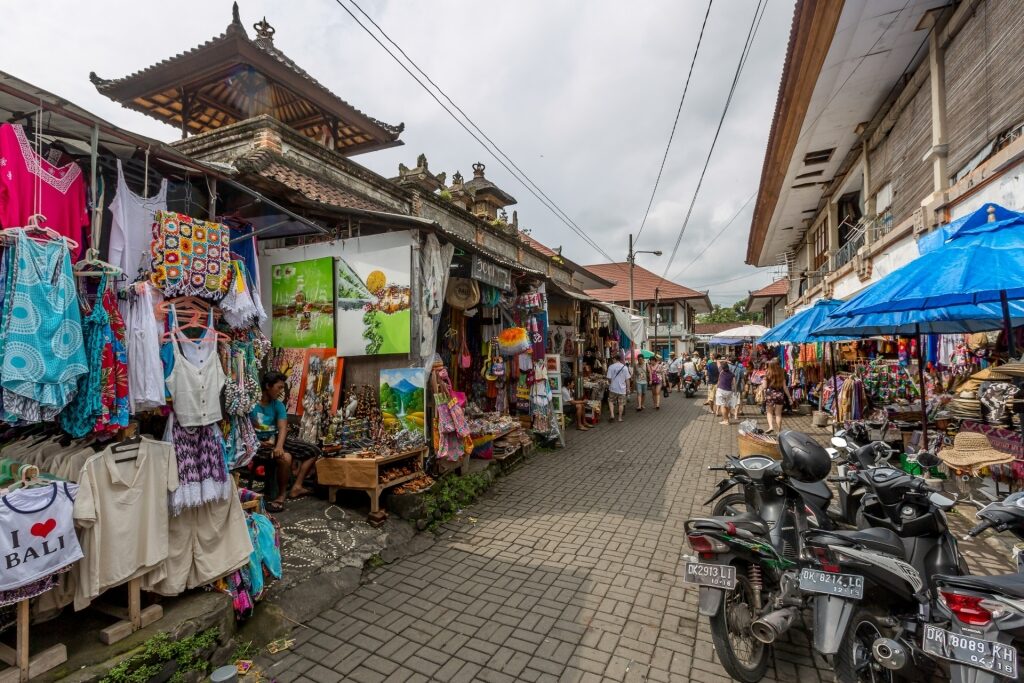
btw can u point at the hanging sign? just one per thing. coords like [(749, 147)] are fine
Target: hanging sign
[(491, 274)]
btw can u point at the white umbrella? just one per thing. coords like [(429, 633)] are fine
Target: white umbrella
[(743, 332)]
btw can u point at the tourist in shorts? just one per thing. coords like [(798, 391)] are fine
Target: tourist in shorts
[(619, 375)]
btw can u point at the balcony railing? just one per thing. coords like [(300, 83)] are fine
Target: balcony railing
[(665, 330)]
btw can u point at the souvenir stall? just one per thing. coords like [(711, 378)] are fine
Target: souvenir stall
[(122, 324), (342, 333)]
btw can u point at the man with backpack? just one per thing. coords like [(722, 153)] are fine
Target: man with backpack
[(619, 375)]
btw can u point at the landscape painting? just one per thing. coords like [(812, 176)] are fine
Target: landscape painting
[(302, 294), (402, 399), (373, 299)]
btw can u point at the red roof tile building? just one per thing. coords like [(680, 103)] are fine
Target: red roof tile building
[(770, 302), (655, 296)]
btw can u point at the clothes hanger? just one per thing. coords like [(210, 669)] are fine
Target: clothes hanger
[(128, 445), (99, 267), (193, 324), (33, 226)]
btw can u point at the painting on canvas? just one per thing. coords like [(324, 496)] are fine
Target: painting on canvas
[(373, 298), (321, 392), (302, 294), (292, 364), (402, 399)]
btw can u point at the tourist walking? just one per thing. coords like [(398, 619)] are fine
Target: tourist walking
[(776, 393), (640, 382), (619, 375), (675, 371), (739, 386), (726, 391), (656, 370), (711, 377)]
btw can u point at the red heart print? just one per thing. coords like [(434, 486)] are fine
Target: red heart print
[(43, 529)]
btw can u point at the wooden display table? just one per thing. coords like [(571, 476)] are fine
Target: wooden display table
[(364, 474)]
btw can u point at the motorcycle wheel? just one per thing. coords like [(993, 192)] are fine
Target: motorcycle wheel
[(730, 506), (854, 662), (744, 657)]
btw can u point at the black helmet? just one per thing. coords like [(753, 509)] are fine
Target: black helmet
[(803, 458)]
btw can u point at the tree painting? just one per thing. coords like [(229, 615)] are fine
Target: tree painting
[(402, 399)]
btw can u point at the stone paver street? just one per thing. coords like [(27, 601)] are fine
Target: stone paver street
[(567, 571)]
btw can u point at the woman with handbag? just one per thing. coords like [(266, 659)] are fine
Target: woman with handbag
[(656, 370), (641, 381), (776, 393)]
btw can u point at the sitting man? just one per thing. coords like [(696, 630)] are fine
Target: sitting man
[(270, 420)]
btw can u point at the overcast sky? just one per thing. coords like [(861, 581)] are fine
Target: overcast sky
[(581, 94)]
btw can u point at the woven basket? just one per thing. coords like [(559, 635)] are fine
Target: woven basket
[(749, 445)]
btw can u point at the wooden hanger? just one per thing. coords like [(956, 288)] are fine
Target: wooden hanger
[(128, 445)]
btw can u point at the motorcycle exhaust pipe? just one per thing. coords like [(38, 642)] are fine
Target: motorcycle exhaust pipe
[(891, 654), (769, 627)]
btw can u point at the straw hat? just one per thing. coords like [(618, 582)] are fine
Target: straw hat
[(462, 293), (970, 450)]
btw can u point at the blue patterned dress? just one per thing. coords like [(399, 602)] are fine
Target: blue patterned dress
[(41, 352)]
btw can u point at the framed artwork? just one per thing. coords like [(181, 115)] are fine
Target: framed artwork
[(302, 294), (402, 396), (554, 367), (321, 392), (292, 364), (373, 298)]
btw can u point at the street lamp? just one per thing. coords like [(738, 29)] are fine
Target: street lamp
[(632, 264)]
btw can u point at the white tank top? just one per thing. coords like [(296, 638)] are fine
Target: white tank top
[(196, 380), (37, 533)]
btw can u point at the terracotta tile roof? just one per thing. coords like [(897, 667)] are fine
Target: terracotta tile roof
[(644, 282), (272, 167), (529, 241), (777, 288), (713, 328)]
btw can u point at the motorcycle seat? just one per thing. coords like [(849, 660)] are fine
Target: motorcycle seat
[(1011, 585), (876, 538)]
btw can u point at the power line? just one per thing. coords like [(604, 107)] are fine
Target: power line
[(715, 238), (751, 33), (732, 279), (672, 133), (521, 176)]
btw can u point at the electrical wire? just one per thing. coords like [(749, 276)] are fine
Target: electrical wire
[(496, 152), (755, 23), (675, 123), (717, 235)]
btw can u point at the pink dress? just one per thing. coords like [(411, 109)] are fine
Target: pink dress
[(30, 184)]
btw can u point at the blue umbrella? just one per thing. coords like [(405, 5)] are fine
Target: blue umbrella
[(800, 328), (949, 320)]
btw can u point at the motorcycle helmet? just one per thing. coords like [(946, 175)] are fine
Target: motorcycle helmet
[(803, 458)]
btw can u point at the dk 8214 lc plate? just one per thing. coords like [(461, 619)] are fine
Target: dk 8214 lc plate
[(711, 575), (842, 585)]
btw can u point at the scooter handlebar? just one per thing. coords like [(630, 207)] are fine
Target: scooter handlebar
[(980, 527)]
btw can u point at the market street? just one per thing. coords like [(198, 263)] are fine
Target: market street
[(567, 571)]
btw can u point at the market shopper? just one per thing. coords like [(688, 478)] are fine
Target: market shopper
[(619, 375), (675, 369), (739, 386), (775, 395), (270, 420), (656, 372), (711, 377), (573, 408), (640, 382), (726, 391)]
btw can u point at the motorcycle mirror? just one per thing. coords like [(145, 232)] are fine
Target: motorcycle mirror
[(832, 453), (839, 434), (839, 442), (928, 459), (941, 501)]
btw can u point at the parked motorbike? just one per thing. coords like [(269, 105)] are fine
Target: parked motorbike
[(746, 564), (689, 386), (872, 586), (985, 613), (852, 456)]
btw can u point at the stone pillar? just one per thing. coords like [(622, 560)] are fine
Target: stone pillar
[(937, 77), (833, 231), (869, 196)]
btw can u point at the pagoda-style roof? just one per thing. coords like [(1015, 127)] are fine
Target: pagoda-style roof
[(231, 78), (483, 189)]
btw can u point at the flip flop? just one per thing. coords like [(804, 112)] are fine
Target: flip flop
[(274, 506)]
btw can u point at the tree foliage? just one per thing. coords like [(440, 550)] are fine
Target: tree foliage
[(736, 313)]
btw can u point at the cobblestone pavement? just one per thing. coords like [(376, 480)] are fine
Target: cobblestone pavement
[(567, 571)]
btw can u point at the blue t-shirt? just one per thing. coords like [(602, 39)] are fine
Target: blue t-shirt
[(265, 418), (712, 371)]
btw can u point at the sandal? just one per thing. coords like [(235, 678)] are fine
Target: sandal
[(275, 506)]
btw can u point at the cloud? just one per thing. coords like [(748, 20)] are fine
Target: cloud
[(580, 95)]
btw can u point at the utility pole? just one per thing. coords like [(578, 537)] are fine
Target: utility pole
[(657, 318), (631, 258)]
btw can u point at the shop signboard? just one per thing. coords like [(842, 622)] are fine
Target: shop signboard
[(490, 273)]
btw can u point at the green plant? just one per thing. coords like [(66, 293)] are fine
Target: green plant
[(151, 657), (375, 561), (452, 493), (246, 650), (445, 195)]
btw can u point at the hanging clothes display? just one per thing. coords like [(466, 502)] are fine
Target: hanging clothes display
[(196, 380), (146, 388), (202, 472), (130, 227), (41, 346), (191, 257), (29, 184)]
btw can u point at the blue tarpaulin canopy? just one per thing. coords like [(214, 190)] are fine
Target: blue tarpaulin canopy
[(982, 263), (800, 328), (951, 320), (936, 238)]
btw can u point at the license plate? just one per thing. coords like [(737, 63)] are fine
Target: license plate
[(843, 585), (713, 575), (982, 654)]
